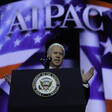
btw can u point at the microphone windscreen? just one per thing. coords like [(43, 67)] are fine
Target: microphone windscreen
[(49, 59), (41, 59)]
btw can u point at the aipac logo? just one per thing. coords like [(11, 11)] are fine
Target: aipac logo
[(46, 84)]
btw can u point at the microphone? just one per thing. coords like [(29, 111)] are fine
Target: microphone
[(46, 62), (42, 61), (49, 59)]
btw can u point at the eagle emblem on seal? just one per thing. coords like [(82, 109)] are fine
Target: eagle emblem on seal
[(46, 84)]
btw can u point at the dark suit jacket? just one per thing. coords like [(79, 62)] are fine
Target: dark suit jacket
[(87, 93)]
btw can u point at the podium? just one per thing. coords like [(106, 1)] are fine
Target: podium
[(69, 96)]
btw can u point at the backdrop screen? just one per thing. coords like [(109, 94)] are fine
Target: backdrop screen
[(83, 27)]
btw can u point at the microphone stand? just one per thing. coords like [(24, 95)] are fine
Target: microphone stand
[(45, 62)]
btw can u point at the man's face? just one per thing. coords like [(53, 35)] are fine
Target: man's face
[(57, 56)]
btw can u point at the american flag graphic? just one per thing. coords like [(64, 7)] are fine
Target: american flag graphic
[(17, 48), (22, 50), (96, 50), (106, 56)]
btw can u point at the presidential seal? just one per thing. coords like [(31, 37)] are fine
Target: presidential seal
[(46, 84)]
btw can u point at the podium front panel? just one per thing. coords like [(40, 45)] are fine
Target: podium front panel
[(70, 96)]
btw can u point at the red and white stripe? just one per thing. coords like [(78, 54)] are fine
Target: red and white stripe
[(12, 61), (106, 73)]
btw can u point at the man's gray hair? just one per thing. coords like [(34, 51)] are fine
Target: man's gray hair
[(55, 44)]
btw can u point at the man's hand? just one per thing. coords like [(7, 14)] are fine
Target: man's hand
[(88, 75), (8, 78)]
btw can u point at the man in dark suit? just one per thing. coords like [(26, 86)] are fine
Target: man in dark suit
[(57, 52)]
